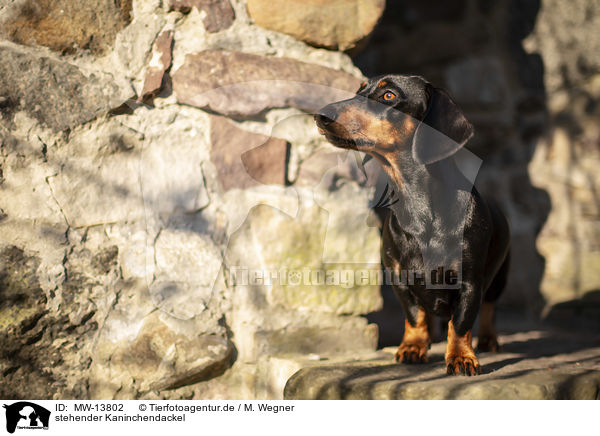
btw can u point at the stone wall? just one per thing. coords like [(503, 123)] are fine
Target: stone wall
[(152, 151), (567, 157), (137, 176)]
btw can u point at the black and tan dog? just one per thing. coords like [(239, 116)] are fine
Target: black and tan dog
[(440, 222)]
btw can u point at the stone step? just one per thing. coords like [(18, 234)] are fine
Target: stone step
[(532, 365)]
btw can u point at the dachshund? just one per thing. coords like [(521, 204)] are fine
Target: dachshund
[(447, 246)]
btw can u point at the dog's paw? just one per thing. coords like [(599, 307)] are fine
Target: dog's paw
[(412, 353), (462, 365), (488, 343)]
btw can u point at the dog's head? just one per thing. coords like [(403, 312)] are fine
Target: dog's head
[(397, 114)]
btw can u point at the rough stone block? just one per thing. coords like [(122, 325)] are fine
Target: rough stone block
[(219, 13), (244, 159), (65, 25), (187, 267), (292, 251), (54, 92), (159, 63), (242, 84), (141, 349), (339, 24)]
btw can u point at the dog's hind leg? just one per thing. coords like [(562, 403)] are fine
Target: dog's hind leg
[(487, 338)]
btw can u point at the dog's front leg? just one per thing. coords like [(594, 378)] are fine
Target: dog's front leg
[(460, 355), (417, 337)]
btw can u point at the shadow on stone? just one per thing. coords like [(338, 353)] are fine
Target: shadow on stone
[(537, 364)]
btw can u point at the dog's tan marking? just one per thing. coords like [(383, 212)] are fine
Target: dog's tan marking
[(460, 356), (382, 133), (382, 84), (384, 137), (395, 266), (416, 341)]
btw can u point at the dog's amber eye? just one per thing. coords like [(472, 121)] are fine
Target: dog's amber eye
[(389, 95)]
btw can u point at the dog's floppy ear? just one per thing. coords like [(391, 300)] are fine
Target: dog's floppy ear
[(443, 131)]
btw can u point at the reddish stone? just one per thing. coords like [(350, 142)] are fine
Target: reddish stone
[(244, 159), (242, 84), (219, 13), (159, 64)]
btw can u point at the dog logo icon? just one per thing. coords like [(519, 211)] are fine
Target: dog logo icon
[(26, 415)]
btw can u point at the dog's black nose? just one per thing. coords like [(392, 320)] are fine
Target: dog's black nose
[(325, 116)]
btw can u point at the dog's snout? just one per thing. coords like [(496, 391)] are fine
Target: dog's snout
[(325, 116), (323, 119)]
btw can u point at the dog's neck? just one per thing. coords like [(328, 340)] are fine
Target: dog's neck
[(430, 197)]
